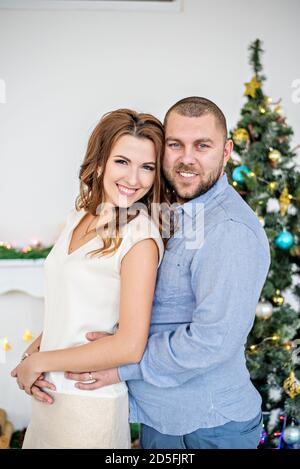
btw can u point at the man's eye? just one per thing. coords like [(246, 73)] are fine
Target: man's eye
[(173, 145), (203, 146)]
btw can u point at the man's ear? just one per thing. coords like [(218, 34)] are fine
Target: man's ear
[(227, 151)]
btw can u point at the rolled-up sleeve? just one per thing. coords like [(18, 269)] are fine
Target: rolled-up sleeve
[(227, 276)]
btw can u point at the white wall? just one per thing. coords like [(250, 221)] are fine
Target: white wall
[(64, 69)]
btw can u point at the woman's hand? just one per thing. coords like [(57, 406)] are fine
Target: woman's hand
[(26, 373)]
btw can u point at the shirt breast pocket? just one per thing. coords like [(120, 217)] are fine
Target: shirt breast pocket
[(172, 276)]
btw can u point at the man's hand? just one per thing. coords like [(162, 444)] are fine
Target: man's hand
[(39, 394), (91, 336), (101, 378)]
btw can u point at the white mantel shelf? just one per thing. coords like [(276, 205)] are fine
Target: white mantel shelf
[(22, 275)]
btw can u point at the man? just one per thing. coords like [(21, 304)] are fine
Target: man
[(192, 388)]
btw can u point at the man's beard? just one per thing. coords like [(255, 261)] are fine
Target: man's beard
[(185, 194)]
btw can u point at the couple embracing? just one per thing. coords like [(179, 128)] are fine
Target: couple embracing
[(147, 311)]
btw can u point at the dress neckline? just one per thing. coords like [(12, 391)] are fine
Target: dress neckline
[(74, 225)]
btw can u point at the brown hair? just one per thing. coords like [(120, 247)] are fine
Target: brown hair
[(195, 106), (111, 127)]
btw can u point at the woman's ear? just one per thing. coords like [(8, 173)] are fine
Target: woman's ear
[(99, 171)]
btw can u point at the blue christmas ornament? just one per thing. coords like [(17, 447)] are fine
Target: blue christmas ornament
[(284, 240), (238, 175)]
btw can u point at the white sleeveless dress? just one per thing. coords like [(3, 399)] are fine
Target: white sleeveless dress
[(81, 295)]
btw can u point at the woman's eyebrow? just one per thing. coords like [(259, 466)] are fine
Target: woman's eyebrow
[(127, 159)]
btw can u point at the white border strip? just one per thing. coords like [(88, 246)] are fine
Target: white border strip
[(174, 6)]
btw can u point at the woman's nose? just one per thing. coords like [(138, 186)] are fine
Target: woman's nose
[(133, 178)]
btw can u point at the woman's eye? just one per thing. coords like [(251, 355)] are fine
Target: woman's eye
[(121, 161), (149, 168)]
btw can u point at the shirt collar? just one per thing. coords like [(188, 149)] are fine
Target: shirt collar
[(196, 204)]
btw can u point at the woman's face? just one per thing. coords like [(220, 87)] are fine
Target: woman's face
[(130, 171)]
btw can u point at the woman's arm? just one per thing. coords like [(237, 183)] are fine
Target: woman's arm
[(138, 276)]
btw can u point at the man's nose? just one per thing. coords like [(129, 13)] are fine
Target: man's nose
[(187, 156)]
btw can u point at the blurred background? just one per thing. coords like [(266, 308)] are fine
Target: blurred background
[(64, 68)]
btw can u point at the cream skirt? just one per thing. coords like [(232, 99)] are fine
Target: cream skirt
[(74, 421)]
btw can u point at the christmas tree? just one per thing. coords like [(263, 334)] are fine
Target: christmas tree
[(263, 170)]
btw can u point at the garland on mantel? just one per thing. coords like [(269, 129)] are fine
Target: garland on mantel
[(34, 251)]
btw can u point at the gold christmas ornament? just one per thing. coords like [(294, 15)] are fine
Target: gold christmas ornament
[(278, 110), (27, 336), (251, 87), (262, 110), (278, 299), (291, 385), (284, 201), (240, 136), (274, 156)]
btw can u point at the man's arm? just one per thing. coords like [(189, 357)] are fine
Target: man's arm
[(227, 275)]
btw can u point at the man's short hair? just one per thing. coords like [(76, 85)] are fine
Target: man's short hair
[(195, 106)]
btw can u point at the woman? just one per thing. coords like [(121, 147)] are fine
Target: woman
[(100, 275)]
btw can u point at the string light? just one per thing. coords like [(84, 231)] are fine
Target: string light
[(27, 336), (6, 345), (287, 346), (35, 250), (274, 338), (27, 249), (263, 437), (35, 242), (272, 185)]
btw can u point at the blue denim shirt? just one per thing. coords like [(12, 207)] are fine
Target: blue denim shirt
[(193, 372)]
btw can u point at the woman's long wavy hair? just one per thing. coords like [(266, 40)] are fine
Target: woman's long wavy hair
[(111, 127)]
